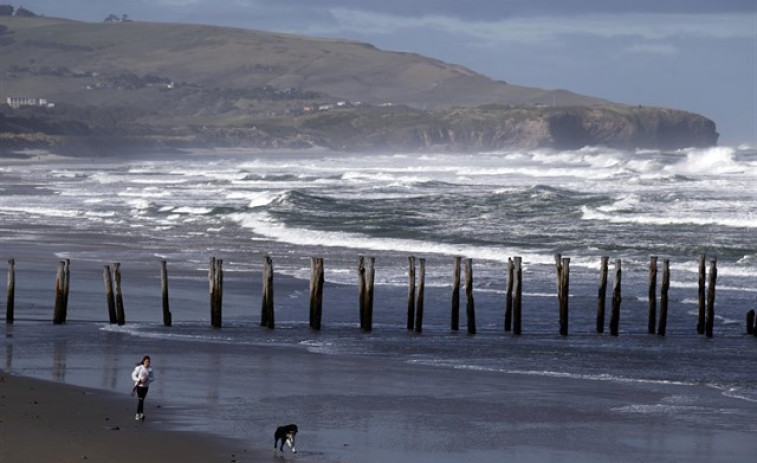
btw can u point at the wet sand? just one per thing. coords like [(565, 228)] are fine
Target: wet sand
[(45, 421)]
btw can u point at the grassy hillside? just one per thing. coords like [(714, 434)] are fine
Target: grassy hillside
[(219, 57), (133, 85)]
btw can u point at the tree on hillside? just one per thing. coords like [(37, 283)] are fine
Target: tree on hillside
[(6, 10), (112, 18), (23, 12)]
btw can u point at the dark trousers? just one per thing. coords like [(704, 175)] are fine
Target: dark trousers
[(141, 393)]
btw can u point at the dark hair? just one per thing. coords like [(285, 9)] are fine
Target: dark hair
[(146, 357)]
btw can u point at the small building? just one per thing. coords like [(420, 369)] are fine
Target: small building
[(16, 102)]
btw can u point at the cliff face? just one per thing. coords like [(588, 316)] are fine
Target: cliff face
[(628, 127), (387, 129), (500, 127)]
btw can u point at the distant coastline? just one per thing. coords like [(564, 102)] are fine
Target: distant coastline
[(185, 87)]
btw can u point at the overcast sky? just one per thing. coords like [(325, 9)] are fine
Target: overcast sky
[(696, 55)]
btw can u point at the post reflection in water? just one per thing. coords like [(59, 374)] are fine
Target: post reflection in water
[(111, 361), (60, 352), (8, 356)]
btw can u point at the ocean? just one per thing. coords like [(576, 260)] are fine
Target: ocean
[(440, 395)]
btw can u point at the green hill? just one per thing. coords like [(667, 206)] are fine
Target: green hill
[(192, 85)]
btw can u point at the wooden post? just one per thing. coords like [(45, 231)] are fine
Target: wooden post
[(663, 323), (361, 289), (470, 308), (616, 299), (601, 296), (518, 291), (652, 296), (411, 293), (59, 283), (216, 316), (120, 313), (455, 314), (509, 295), (370, 278), (66, 287), (267, 307), (10, 306), (750, 322), (212, 289), (419, 302), (313, 276), (564, 288), (109, 296), (318, 295), (164, 293), (710, 316), (701, 294), (558, 282)]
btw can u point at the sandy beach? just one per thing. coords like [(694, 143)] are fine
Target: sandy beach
[(54, 422)]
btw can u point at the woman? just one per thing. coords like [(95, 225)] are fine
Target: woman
[(142, 376)]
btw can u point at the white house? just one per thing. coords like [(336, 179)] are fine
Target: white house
[(16, 102)]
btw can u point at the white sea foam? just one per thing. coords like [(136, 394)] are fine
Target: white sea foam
[(710, 161), (657, 409), (749, 220), (546, 373), (256, 198), (192, 210), (264, 225)]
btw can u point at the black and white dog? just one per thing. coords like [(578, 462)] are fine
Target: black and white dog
[(286, 435)]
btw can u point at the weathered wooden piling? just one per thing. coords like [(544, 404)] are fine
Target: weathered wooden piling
[(411, 293), (212, 289), (710, 316), (616, 300), (66, 286), (564, 287), (267, 318), (11, 294), (311, 293), (369, 283), (455, 313), (602, 294), (420, 298), (701, 294), (120, 311), (216, 292), (365, 286), (663, 322), (558, 279), (470, 307), (110, 297), (652, 296), (316, 292), (509, 295), (750, 322), (58, 316), (361, 289), (518, 292), (164, 292)]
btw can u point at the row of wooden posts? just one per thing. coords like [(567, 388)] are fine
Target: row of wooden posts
[(415, 303)]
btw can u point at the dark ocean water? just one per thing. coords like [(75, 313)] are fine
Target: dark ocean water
[(583, 204)]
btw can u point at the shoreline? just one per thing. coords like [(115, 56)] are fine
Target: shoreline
[(395, 409), (51, 421)]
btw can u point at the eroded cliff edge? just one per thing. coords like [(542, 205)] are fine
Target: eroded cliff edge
[(377, 129)]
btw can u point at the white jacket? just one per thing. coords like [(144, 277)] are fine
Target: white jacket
[(142, 376)]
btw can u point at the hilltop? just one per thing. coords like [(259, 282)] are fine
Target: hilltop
[(136, 84)]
